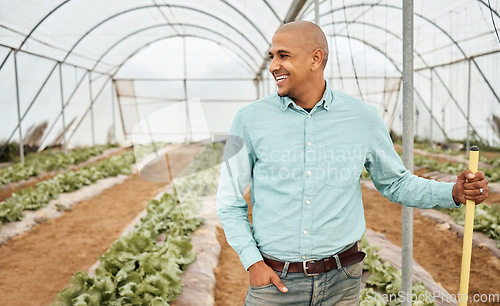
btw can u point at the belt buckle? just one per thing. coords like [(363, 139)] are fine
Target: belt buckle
[(304, 266)]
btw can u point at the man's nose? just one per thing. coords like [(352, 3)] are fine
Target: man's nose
[(273, 65)]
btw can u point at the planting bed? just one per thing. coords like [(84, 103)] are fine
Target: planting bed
[(7, 189)]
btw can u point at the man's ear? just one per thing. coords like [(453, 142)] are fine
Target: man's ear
[(317, 59)]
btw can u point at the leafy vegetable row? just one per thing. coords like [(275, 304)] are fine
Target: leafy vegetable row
[(34, 198), (426, 146), (494, 161), (11, 209), (492, 174), (137, 270), (37, 163), (387, 279), (486, 219)]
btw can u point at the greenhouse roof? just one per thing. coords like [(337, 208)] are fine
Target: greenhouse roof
[(102, 35), (102, 38)]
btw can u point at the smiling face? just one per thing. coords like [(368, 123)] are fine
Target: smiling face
[(289, 64), (297, 60)]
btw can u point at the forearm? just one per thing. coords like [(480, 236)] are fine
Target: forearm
[(411, 190)]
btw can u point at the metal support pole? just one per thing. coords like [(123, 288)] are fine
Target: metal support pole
[(316, 12), (28, 109), (120, 109), (455, 101), (65, 144), (88, 110), (91, 109), (408, 136), (21, 143), (268, 90), (189, 135), (257, 91), (65, 105), (188, 123), (468, 110), (265, 85), (432, 100), (113, 129)]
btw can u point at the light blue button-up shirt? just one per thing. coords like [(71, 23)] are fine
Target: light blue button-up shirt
[(304, 174)]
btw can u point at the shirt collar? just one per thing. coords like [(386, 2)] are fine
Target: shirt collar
[(325, 101)]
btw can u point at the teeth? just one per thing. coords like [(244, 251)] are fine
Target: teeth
[(281, 77)]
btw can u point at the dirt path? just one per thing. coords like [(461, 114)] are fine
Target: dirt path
[(438, 251), (36, 265)]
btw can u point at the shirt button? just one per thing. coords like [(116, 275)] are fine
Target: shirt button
[(308, 202), (305, 232), (308, 116), (308, 172), (309, 143)]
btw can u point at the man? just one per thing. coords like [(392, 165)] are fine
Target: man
[(303, 151)]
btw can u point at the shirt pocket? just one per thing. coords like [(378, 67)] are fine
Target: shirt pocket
[(343, 165)]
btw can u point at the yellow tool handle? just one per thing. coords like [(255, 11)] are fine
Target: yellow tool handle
[(468, 229)]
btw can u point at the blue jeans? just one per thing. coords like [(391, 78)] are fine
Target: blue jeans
[(335, 287)]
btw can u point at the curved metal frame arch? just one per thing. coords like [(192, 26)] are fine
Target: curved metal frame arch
[(170, 24), (390, 59), (167, 5), (249, 21), (148, 7), (492, 10), (307, 10), (159, 39), (384, 30), (373, 26), (33, 30), (40, 22), (436, 26), (399, 8), (399, 70), (272, 10)]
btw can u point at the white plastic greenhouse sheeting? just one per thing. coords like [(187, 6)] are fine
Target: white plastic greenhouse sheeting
[(159, 53)]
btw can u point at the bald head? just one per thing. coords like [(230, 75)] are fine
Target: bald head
[(308, 35)]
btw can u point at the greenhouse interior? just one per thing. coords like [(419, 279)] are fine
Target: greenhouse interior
[(117, 123)]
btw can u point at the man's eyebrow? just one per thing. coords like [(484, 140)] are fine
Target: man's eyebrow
[(279, 52)]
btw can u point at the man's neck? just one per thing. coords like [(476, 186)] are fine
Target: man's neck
[(312, 96)]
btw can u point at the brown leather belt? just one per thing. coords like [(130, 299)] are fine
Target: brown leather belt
[(312, 267)]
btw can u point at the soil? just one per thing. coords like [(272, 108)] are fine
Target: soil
[(36, 265), (438, 251)]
